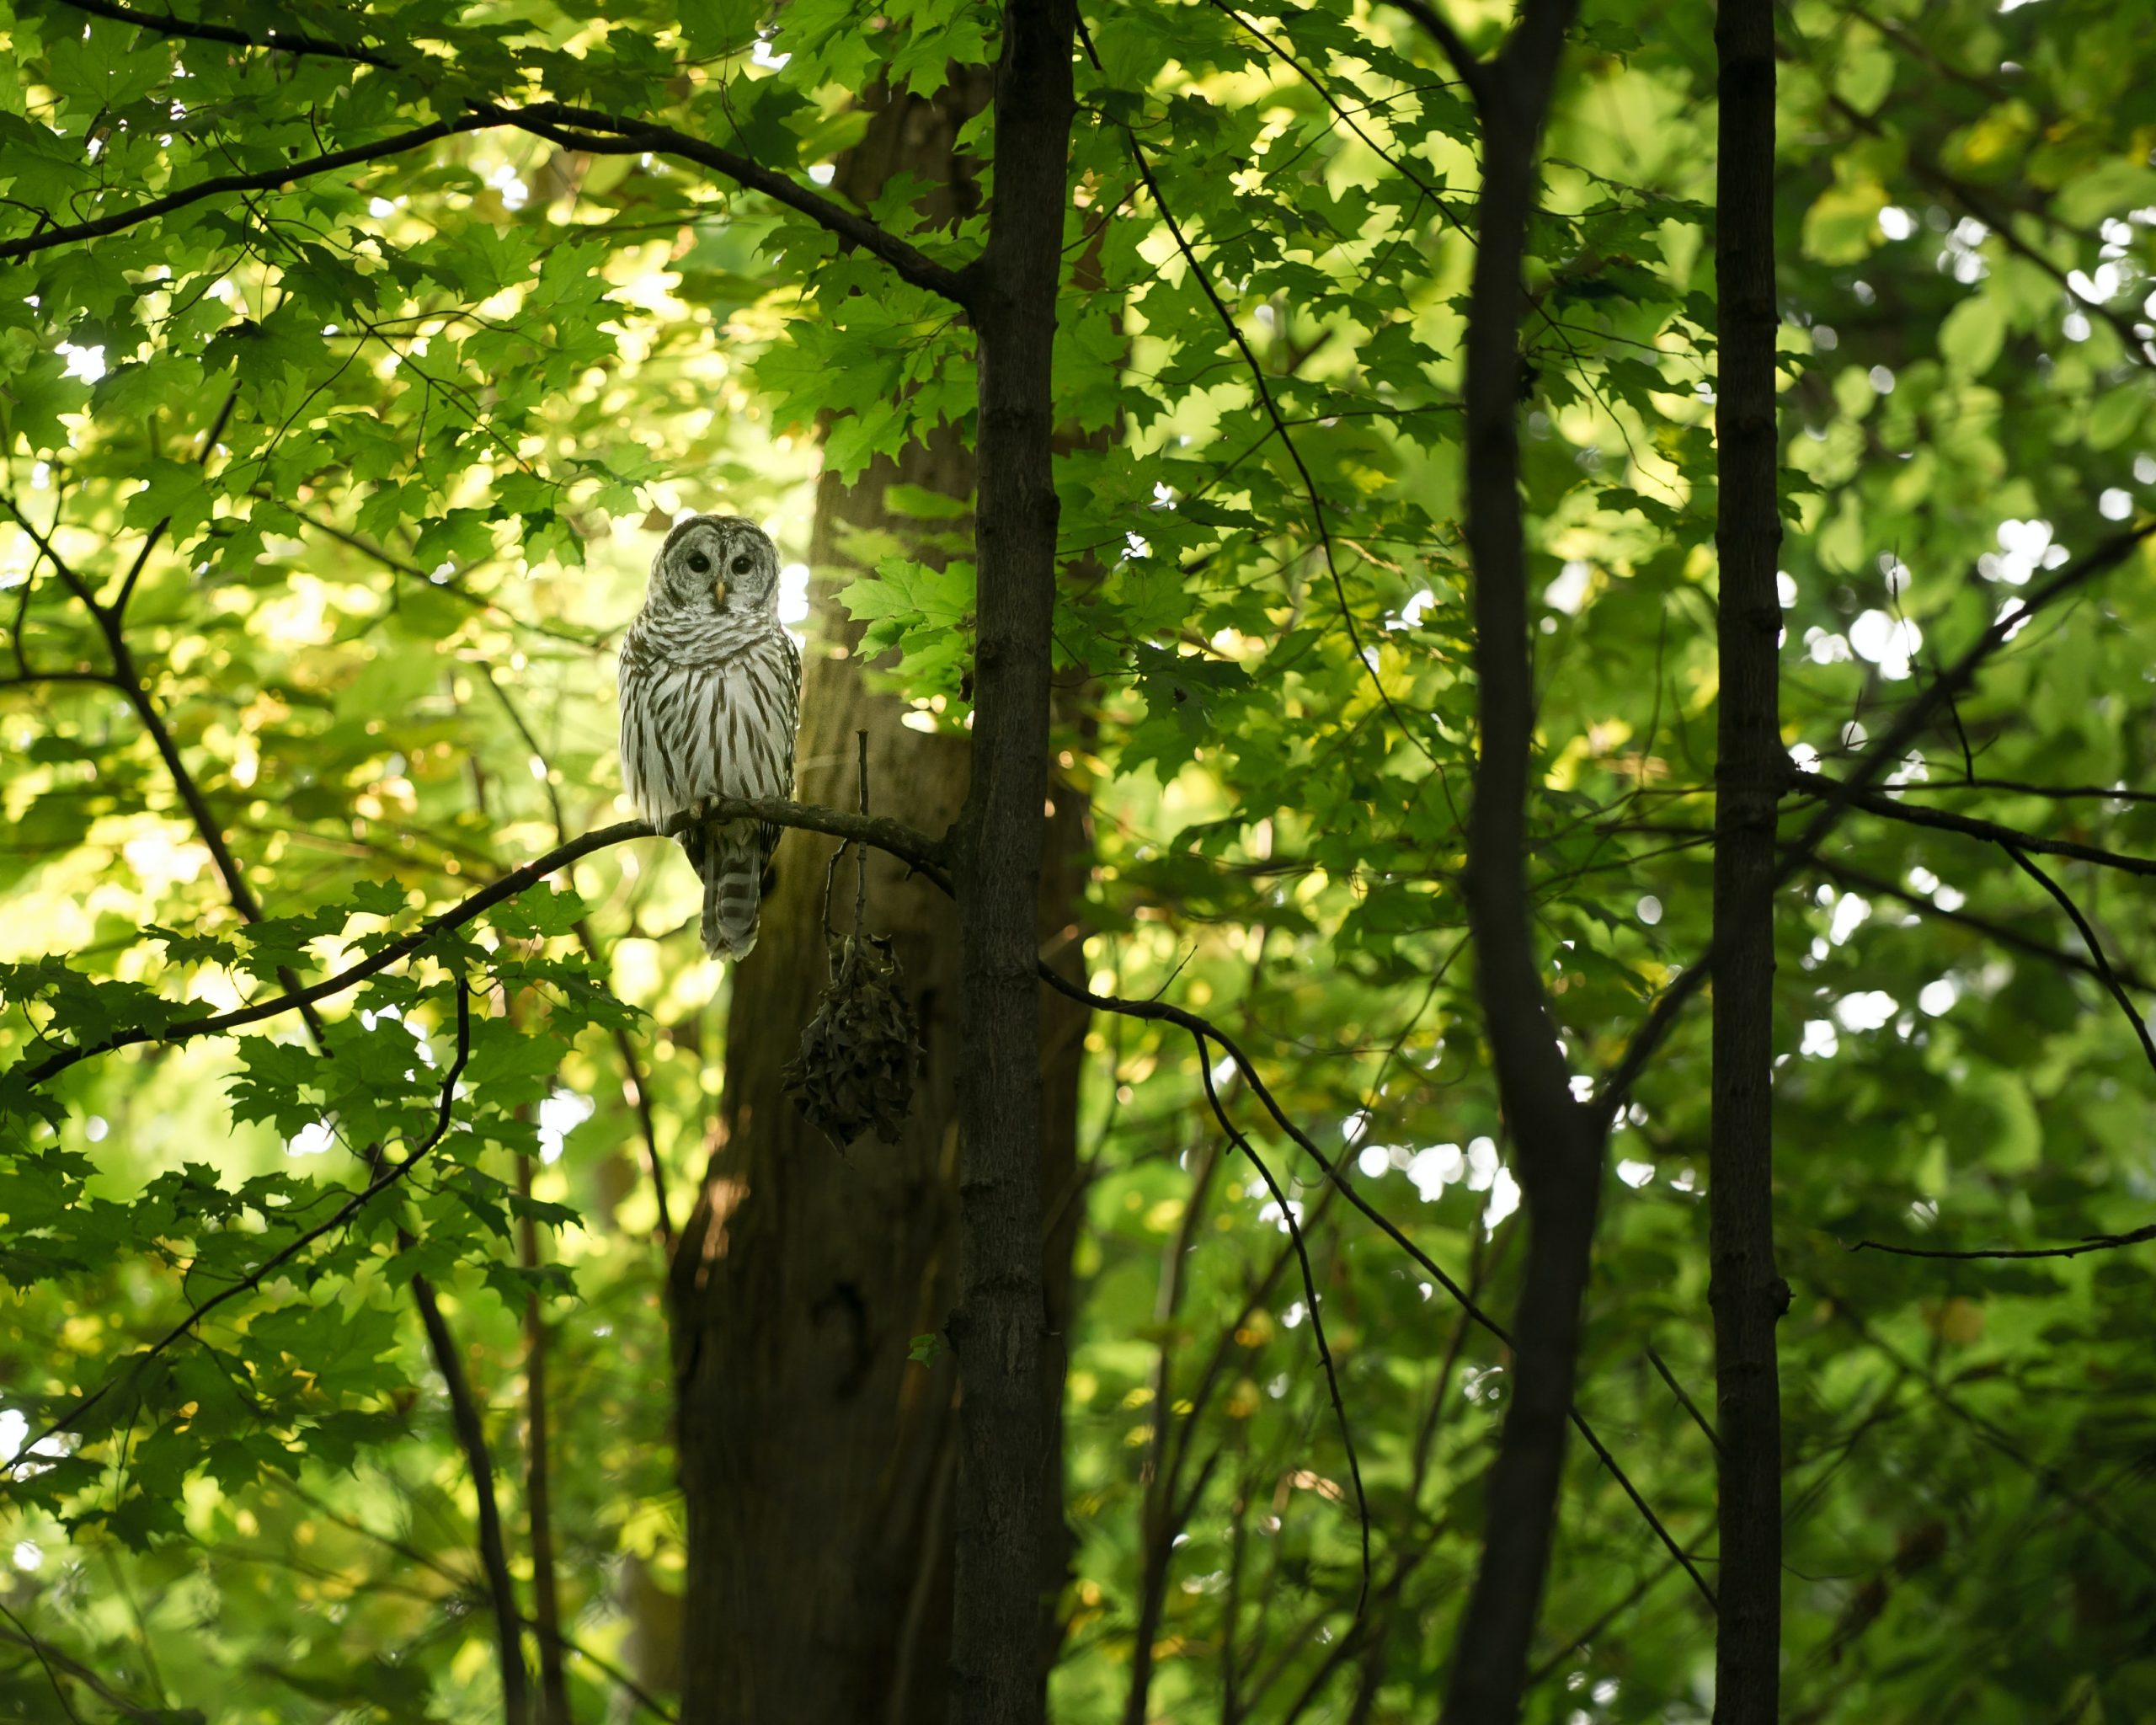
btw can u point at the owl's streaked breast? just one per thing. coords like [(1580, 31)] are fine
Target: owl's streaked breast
[(707, 709)]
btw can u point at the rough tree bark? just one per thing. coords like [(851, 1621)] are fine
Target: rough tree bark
[(1747, 1293), (997, 1330), (817, 1462)]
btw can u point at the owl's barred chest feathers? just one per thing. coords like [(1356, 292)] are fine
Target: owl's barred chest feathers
[(708, 707), (710, 692)]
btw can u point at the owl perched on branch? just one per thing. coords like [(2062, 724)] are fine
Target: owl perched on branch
[(710, 689)]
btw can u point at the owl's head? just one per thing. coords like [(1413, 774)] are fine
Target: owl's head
[(720, 563)]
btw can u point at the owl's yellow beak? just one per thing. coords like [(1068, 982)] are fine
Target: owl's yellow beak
[(719, 592)]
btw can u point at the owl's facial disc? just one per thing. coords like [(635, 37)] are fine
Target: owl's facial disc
[(723, 557)]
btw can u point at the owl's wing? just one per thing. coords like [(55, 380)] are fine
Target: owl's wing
[(789, 720)]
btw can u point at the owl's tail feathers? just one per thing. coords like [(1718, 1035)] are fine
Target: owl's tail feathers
[(731, 863)]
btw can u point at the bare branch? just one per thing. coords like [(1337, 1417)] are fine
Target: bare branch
[(1882, 803), (1863, 881), (612, 135), (2134, 1013), (2094, 1242), (1474, 72)]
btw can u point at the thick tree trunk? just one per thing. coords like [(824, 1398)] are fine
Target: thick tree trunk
[(818, 1463), (1746, 1292)]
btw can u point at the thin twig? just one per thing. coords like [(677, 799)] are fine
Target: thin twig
[(1309, 1293), (2094, 1242), (1990, 831), (2133, 1014), (1684, 1401), (47, 1660)]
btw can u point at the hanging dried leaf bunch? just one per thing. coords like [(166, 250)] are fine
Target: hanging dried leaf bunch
[(860, 1050)]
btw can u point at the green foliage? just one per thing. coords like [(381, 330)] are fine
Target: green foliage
[(361, 467)]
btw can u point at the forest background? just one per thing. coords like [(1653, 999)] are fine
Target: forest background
[(1300, 490)]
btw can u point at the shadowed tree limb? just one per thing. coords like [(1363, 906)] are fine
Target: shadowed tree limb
[(222, 184), (1863, 880), (1892, 807), (54, 1662), (2095, 1243), (924, 853), (2117, 990)]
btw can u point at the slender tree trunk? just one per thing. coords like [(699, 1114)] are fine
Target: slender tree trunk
[(1004, 1468), (538, 1489), (1747, 1293), (1559, 1141), (817, 1461), (493, 1552)]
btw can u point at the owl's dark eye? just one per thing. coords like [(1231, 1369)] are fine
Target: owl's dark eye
[(741, 564), (699, 562)]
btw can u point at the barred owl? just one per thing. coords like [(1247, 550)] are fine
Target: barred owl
[(711, 687)]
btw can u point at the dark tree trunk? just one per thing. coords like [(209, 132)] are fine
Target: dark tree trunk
[(1005, 1474), (1559, 1141), (1746, 1292), (818, 1463)]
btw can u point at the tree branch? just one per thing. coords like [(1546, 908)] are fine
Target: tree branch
[(1475, 71), (1863, 881), (219, 185), (1295, 1228), (2134, 1013), (925, 854), (563, 124), (612, 135), (1890, 748), (2094, 1242), (1880, 803), (277, 41)]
